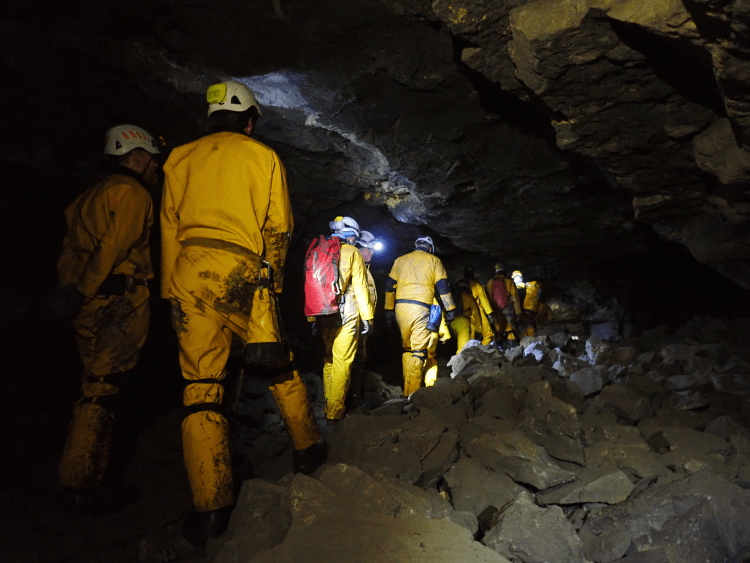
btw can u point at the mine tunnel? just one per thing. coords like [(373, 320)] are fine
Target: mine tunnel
[(600, 148)]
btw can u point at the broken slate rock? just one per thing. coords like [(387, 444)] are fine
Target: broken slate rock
[(607, 486), (699, 518), (598, 351), (261, 519), (588, 381), (526, 532), (473, 488), (331, 528), (518, 457)]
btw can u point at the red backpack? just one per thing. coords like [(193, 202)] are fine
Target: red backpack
[(499, 293), (322, 276)]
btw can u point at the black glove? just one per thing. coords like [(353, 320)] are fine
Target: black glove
[(66, 302), (314, 328), (450, 315), (491, 320), (390, 316), (366, 327)]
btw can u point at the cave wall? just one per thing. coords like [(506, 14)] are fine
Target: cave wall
[(555, 133)]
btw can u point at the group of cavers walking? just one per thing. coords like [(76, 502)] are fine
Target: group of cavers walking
[(226, 222)]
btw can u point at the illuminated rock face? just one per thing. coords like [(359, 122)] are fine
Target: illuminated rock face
[(548, 132)]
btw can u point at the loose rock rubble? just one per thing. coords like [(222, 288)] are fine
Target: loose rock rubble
[(561, 450)]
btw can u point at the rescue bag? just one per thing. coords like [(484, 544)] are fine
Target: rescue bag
[(322, 276), (499, 293)]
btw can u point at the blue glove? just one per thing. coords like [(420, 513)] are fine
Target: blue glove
[(313, 328), (390, 316)]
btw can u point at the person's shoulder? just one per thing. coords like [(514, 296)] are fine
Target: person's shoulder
[(116, 186)]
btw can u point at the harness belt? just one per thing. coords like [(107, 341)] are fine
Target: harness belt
[(222, 245), (413, 302), (120, 284), (202, 407)]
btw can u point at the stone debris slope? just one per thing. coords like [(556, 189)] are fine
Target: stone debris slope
[(567, 449)]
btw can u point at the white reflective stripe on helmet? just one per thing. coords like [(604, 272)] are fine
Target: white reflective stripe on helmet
[(230, 96), (122, 139), (424, 241), (344, 226)]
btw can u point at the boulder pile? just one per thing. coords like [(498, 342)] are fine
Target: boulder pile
[(566, 449)]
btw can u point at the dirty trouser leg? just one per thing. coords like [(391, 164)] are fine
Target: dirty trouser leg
[(461, 327), (342, 343), (290, 393), (412, 321), (204, 349), (431, 366), (487, 334), (110, 333)]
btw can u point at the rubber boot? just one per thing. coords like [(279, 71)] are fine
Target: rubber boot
[(308, 460), (199, 527)]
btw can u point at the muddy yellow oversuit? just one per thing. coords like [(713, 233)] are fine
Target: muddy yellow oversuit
[(485, 310), (442, 334), (106, 257), (340, 331), (410, 290), (467, 322), (506, 315), (226, 222)]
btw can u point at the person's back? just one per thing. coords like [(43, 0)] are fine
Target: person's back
[(484, 319), (414, 280)]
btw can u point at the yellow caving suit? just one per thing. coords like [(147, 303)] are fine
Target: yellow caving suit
[(504, 315), (485, 308), (465, 324), (108, 233), (538, 313), (340, 331), (410, 290), (225, 210), (431, 365)]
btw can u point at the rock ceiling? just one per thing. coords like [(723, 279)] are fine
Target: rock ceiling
[(547, 132)]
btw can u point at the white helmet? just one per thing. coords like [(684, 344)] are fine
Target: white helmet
[(517, 277), (230, 96), (344, 226), (425, 242), (122, 139), (368, 240)]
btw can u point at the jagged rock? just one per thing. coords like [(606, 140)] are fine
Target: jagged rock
[(535, 346), (474, 488), (260, 520), (725, 426), (686, 400), (515, 455), (607, 331), (606, 486), (566, 365), (516, 534), (472, 358), (439, 459), (465, 520), (501, 402), (596, 427), (598, 351), (623, 402), (393, 445), (684, 357), (558, 339), (625, 355), (454, 416), (623, 447), (480, 425), (680, 382), (331, 528), (695, 519), (485, 378), (553, 440), (524, 376), (514, 354), (692, 451), (444, 392), (382, 493), (587, 381)]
